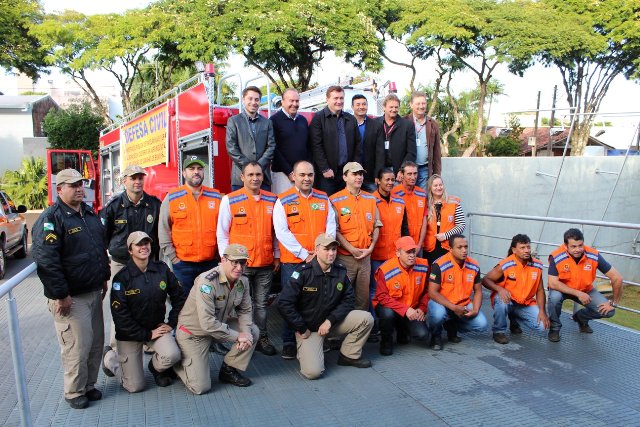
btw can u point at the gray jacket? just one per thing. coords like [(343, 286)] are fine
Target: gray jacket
[(243, 147)]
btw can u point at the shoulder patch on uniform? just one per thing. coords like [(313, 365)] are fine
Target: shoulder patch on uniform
[(115, 286), (48, 226), (295, 275), (205, 289), (211, 275), (51, 238), (163, 285), (340, 286)]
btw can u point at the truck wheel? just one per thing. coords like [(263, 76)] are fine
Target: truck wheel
[(3, 260), (22, 252)]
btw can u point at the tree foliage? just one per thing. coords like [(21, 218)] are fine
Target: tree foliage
[(76, 127), (20, 50), (28, 186)]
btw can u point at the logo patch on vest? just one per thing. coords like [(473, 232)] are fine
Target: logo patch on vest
[(317, 206), (450, 277), (269, 210), (566, 267), (512, 275), (241, 210), (418, 280), (240, 287), (212, 205), (182, 206), (534, 275), (587, 267), (163, 285), (398, 210), (450, 218), (470, 277), (205, 289), (345, 211), (420, 204), (150, 219), (340, 286), (369, 216), (432, 276), (294, 208), (396, 285)]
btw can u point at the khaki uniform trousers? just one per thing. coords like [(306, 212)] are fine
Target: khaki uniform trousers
[(115, 268), (194, 368), (81, 336), (126, 362), (356, 326), (359, 273)]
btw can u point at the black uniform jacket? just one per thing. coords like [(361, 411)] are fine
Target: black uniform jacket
[(138, 300), (310, 296), (323, 140), (121, 218), (70, 251)]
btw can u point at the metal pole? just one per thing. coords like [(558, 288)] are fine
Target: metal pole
[(553, 117), (535, 127), (18, 362)]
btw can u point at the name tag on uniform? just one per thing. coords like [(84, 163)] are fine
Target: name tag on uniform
[(132, 292), (120, 221), (74, 230), (309, 289), (386, 145), (220, 298)]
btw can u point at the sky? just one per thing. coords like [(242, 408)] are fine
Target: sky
[(520, 92)]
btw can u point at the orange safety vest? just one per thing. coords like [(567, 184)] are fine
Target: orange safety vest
[(252, 225), (356, 216), (447, 222), (407, 287), (193, 223), (415, 203), (522, 281), (578, 275), (456, 283), (306, 218), (391, 214)]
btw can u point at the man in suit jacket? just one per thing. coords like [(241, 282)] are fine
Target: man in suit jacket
[(399, 136), (250, 138), (428, 152), (335, 141), (372, 142)]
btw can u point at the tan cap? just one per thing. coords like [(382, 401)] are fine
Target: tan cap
[(353, 167), (325, 239), (133, 170), (68, 176), (406, 243), (236, 252), (137, 237)]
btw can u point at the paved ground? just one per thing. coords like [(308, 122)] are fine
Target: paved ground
[(586, 380)]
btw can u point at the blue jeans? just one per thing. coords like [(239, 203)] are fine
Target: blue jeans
[(589, 312), (438, 314), (515, 311), (260, 284), (375, 264), (288, 334), (187, 271), (423, 176)]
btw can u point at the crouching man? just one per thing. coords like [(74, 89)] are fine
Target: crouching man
[(317, 302), (218, 308)]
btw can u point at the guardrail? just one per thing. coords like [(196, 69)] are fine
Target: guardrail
[(16, 342), (543, 219)]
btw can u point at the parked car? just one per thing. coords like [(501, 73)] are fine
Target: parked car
[(13, 231)]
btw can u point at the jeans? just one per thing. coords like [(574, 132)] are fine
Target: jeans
[(423, 176), (388, 320), (438, 314), (288, 334), (260, 283), (515, 311), (589, 312), (375, 264), (187, 271)]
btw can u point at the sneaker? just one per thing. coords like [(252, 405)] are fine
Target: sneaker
[(436, 343), (515, 328), (554, 336), (79, 402), (500, 338), (106, 370), (231, 375), (584, 326), (161, 379), (289, 352), (93, 395), (265, 347), (356, 363), (386, 346)]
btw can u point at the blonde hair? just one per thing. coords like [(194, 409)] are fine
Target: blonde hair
[(445, 197)]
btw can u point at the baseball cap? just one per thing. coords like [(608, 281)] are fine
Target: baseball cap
[(68, 176), (353, 167), (406, 243), (137, 237), (325, 239), (191, 159), (133, 170), (235, 252)]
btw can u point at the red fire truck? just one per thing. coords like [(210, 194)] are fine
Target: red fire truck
[(189, 120)]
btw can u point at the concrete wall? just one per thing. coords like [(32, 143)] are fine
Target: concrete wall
[(14, 126), (35, 147), (511, 185)]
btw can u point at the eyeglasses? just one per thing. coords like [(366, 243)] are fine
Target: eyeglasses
[(237, 262)]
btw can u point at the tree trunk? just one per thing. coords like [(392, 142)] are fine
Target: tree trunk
[(580, 137), (456, 115)]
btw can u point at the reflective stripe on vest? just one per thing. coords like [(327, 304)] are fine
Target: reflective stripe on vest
[(578, 275), (405, 286), (456, 283), (355, 218), (391, 215), (447, 222), (415, 203)]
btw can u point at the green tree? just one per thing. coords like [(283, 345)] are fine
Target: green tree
[(20, 50), (76, 127), (28, 186), (503, 146)]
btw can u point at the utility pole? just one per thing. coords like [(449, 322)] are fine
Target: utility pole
[(553, 117), (535, 128)]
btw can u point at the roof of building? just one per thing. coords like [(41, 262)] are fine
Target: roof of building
[(21, 101), (558, 137)]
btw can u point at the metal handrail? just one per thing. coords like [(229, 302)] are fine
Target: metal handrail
[(16, 342)]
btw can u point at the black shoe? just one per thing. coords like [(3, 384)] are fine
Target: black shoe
[(452, 332), (232, 376), (436, 343), (500, 338), (515, 328), (584, 326), (289, 352), (554, 336), (79, 402), (93, 395), (386, 346), (265, 347), (106, 370), (356, 363), (219, 347), (402, 339), (161, 379)]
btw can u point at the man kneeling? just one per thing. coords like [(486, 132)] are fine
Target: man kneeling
[(318, 302), (218, 308)]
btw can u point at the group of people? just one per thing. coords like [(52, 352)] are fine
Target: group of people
[(349, 260)]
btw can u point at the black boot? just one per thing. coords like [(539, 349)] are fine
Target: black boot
[(452, 331), (231, 375), (386, 345), (161, 379)]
